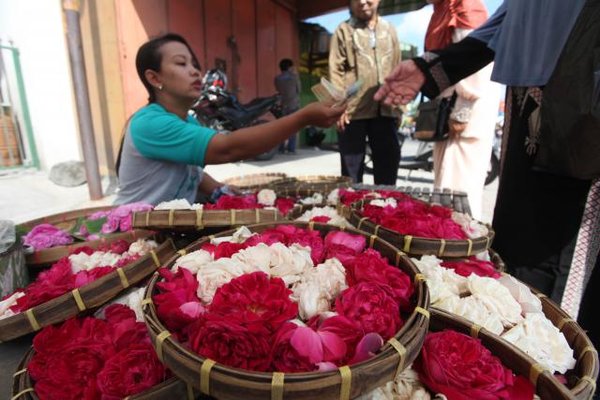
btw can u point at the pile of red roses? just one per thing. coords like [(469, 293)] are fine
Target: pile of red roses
[(472, 265), (252, 322), (90, 358), (461, 368), (249, 202), (60, 279)]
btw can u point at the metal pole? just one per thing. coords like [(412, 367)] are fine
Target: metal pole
[(86, 129)]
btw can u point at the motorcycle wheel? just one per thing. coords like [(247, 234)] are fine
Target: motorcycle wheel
[(493, 169)]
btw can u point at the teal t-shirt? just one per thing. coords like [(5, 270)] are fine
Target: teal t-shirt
[(162, 157)]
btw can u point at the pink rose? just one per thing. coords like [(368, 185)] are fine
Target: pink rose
[(472, 265), (44, 236)]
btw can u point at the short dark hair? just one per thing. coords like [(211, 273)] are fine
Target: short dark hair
[(285, 64), (149, 57)]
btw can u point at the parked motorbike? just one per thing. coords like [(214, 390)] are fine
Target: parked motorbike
[(220, 110), (423, 158)]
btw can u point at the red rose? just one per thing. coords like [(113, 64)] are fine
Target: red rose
[(284, 204), (461, 368), (227, 202), (343, 246), (372, 306), (349, 331), (130, 371), (223, 340), (370, 266), (227, 249), (289, 234), (322, 219), (124, 329), (85, 277), (472, 265), (285, 356), (255, 299)]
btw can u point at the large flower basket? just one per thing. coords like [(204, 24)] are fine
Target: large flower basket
[(415, 244), (545, 384), (86, 297), (68, 221), (203, 219), (171, 389), (580, 380), (256, 181), (320, 183), (224, 382)]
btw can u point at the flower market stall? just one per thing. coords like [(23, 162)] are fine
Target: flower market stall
[(297, 288)]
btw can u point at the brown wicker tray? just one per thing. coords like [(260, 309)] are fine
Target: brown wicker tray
[(317, 183), (256, 181), (229, 383), (171, 389), (86, 297), (200, 219), (581, 379), (415, 245), (66, 221)]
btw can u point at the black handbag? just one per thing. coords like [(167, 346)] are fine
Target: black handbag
[(431, 124)]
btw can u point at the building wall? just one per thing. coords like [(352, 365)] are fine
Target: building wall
[(35, 27)]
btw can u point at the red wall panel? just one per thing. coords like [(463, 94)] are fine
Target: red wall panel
[(217, 23), (185, 18), (266, 59), (244, 32)]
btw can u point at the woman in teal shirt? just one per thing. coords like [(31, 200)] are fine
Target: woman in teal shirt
[(164, 148)]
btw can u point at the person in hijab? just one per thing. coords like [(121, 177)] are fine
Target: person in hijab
[(547, 214), (461, 162)]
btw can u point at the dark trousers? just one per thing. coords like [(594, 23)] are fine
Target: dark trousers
[(537, 214), (385, 148)]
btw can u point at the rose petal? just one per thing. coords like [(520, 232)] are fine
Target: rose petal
[(307, 343), (367, 347)]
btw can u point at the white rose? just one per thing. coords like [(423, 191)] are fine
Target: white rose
[(141, 247), (289, 263), (177, 204), (318, 287), (316, 198), (131, 298), (7, 303), (193, 261), (258, 256), (496, 298), (431, 267), (85, 262), (529, 302), (330, 212), (384, 202), (239, 236), (539, 338), (215, 274), (474, 310), (266, 197), (471, 227), (406, 386), (333, 197)]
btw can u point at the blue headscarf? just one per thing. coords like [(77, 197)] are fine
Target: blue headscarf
[(528, 37)]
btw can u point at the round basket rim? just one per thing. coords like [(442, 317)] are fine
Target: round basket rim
[(418, 245), (64, 216), (86, 297), (270, 177), (413, 324)]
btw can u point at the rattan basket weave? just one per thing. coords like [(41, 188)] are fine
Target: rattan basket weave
[(348, 382), (415, 245), (256, 181), (317, 183), (67, 221), (86, 297), (582, 378), (201, 219), (171, 389)]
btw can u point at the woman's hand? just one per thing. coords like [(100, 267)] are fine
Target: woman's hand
[(401, 85), (322, 114), (343, 121), (455, 128)]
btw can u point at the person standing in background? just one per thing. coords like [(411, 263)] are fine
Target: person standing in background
[(366, 48), (461, 162), (287, 84)]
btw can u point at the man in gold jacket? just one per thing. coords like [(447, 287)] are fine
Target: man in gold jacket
[(366, 48)]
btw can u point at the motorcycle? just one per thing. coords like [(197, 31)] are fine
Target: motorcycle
[(423, 158), (220, 110)]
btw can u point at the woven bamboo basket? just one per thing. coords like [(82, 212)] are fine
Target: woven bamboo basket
[(67, 221), (318, 183), (171, 389), (256, 181), (581, 380), (456, 200), (415, 245), (86, 297), (225, 383), (546, 386), (202, 219)]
